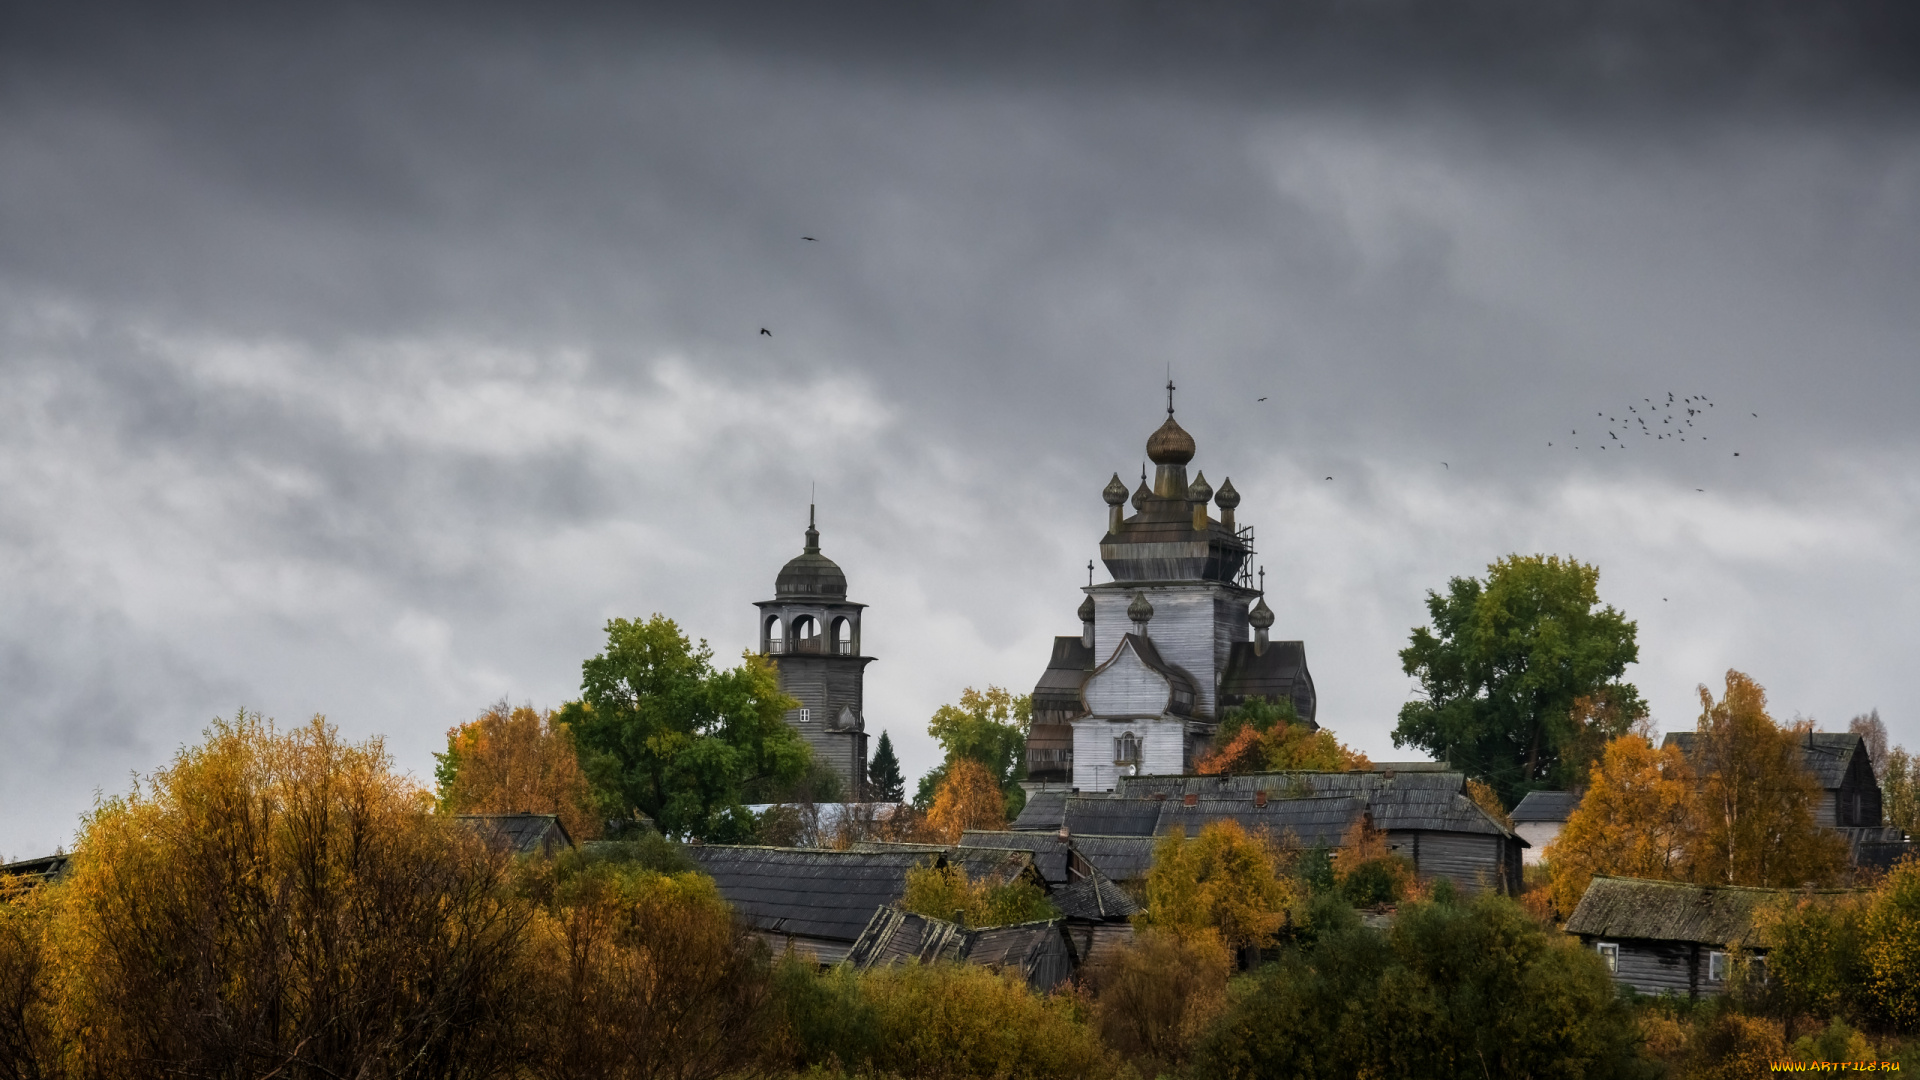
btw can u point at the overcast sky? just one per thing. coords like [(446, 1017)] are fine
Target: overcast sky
[(365, 364)]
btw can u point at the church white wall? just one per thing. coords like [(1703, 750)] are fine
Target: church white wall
[(1194, 627), (1162, 749), (1126, 687)]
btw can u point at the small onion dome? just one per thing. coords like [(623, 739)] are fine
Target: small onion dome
[(1141, 496), (811, 574), (1261, 616), (1086, 610), (1170, 445), (1227, 498), (1199, 491), (1115, 492), (1140, 611)]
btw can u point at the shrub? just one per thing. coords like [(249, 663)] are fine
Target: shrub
[(1156, 996), (1222, 882), (1891, 936), (944, 892), (30, 1042)]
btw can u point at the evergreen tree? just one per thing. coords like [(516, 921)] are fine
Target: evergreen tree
[(884, 781)]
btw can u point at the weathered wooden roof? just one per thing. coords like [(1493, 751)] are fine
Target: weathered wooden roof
[(1052, 856), (1545, 806), (1826, 754), (1277, 674), (1038, 951), (522, 834), (1059, 685), (1121, 858), (1418, 800), (1106, 815), (44, 868), (1314, 820), (1045, 811), (995, 865), (1094, 899), (1633, 908), (808, 892)]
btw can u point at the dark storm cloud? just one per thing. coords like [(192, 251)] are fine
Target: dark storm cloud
[(363, 358)]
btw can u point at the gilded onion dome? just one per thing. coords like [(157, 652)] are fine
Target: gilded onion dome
[(1141, 495), (1199, 491), (1086, 610), (1261, 616), (1170, 444), (1226, 498), (1140, 611), (1115, 492)]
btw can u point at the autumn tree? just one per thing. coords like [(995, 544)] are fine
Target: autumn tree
[(663, 733), (1264, 736), (516, 760), (988, 727), (1636, 820), (884, 781), (1156, 996), (1503, 665), (1890, 939), (1900, 790), (1870, 727), (968, 798), (284, 903), (1756, 800), (1222, 883), (946, 892)]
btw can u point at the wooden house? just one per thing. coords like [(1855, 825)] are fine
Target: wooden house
[(521, 834), (46, 868), (1849, 800), (810, 899), (1037, 951), (1668, 937)]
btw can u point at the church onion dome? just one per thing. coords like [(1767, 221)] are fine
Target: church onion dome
[(1199, 491), (1141, 495), (1086, 610), (1261, 616), (1115, 492), (1139, 611), (1227, 498), (1170, 445), (811, 574)]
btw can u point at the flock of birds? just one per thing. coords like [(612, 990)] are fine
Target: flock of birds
[(1671, 420)]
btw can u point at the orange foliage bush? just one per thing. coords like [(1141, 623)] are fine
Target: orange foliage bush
[(969, 799), (517, 760)]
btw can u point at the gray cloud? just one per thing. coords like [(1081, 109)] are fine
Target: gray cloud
[(364, 362)]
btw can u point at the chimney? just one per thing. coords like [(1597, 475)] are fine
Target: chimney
[(1260, 798), (1190, 799)]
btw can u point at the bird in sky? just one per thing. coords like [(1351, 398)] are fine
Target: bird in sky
[(1736, 453), (766, 331), (1329, 477), (1263, 399), (1449, 468), (815, 239)]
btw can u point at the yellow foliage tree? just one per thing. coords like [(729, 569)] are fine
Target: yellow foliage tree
[(969, 798), (1636, 820), (1487, 799), (517, 760), (1755, 807), (945, 892), (1892, 945), (1222, 882)]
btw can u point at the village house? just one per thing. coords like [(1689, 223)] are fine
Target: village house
[(520, 834), (1038, 952), (809, 899), (1539, 817), (1667, 937)]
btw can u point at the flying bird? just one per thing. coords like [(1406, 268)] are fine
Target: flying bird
[(1329, 477), (1736, 453), (766, 331), (1263, 399), (815, 239), (1449, 468)]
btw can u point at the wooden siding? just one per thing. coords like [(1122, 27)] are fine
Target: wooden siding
[(1472, 861), (1660, 967), (1162, 749), (1194, 627), (1092, 941), (1126, 686)]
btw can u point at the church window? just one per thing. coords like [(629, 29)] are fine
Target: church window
[(843, 636), (1126, 749), (776, 635)]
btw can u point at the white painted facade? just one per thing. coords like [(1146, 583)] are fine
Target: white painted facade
[(1537, 834), (1163, 748), (1194, 627)]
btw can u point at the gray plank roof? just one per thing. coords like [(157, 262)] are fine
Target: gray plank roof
[(1094, 899), (1045, 811), (1106, 815), (1825, 754), (522, 834), (1545, 806), (1052, 856), (1418, 800), (1121, 858), (807, 891), (1277, 674), (1310, 821), (1633, 908), (44, 868), (1037, 950)]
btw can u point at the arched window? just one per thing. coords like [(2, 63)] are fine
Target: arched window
[(774, 635), (806, 634), (843, 636), (1126, 749)]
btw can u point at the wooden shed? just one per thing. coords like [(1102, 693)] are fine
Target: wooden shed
[(521, 834), (1669, 937), (1036, 951), (813, 899)]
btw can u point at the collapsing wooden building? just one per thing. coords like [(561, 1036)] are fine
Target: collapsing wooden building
[(1038, 952), (808, 899)]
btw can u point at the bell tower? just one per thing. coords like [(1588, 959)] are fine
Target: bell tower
[(811, 633)]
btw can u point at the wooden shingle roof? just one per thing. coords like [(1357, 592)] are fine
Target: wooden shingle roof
[(1105, 815), (808, 892), (1422, 800), (1044, 812), (1120, 858), (1052, 856), (1545, 806), (1633, 908), (1825, 754), (1094, 899), (521, 834)]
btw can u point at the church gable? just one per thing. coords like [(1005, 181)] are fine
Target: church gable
[(1128, 685)]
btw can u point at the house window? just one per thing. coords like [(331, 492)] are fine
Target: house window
[(1126, 749), (1757, 969), (1610, 953), (805, 715), (1717, 967)]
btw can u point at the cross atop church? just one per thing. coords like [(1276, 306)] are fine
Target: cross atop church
[(1169, 395)]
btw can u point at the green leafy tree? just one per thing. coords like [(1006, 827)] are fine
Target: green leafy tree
[(989, 727), (884, 782), (1504, 665), (663, 733)]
